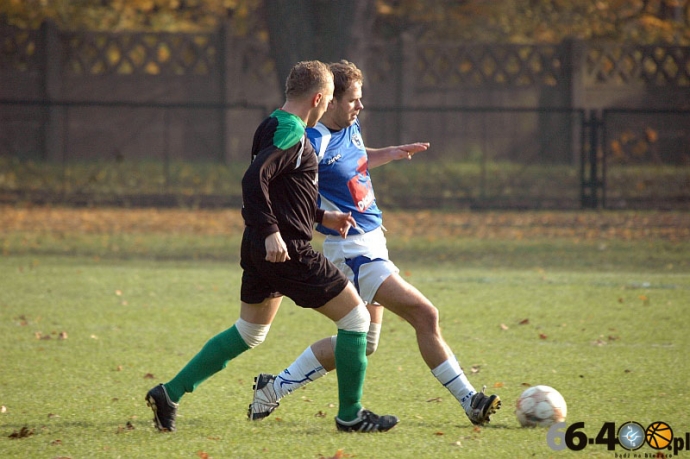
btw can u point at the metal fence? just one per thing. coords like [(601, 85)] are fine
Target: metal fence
[(134, 118), (496, 157)]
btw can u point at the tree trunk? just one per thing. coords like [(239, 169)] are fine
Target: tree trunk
[(326, 30)]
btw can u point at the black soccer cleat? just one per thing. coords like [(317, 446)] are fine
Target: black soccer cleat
[(482, 407), (164, 410), (367, 422)]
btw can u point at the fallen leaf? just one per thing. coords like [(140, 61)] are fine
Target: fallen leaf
[(203, 454), (56, 443), (523, 322), (149, 376), (320, 414), (542, 336), (53, 415), (475, 369), (498, 385), (128, 426), (438, 434), (62, 335), (504, 327), (435, 399), (338, 455), (3, 409), (24, 432)]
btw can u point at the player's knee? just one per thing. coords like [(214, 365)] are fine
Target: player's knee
[(357, 320), (426, 319), (252, 334)]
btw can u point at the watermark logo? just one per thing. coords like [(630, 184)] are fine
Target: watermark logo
[(630, 436), (660, 435)]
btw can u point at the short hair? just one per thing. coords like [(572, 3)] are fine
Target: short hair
[(344, 75), (307, 77)]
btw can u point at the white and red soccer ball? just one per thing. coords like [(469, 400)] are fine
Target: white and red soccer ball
[(540, 406)]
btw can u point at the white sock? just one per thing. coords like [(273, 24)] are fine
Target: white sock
[(452, 377), (300, 373)]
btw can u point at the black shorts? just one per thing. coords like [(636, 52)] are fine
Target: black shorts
[(308, 278)]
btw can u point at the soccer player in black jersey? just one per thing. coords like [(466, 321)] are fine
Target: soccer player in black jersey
[(362, 255), (279, 192)]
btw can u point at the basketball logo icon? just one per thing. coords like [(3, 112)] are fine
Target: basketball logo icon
[(659, 435)]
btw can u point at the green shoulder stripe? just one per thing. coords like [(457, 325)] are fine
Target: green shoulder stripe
[(289, 131)]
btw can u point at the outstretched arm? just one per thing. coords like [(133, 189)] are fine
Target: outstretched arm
[(381, 156)]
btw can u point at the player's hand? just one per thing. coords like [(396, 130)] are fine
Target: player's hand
[(276, 250), (338, 221), (407, 151)]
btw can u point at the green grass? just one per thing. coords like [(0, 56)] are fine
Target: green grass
[(606, 325), (443, 183)]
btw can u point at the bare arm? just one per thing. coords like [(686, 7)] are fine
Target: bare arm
[(338, 221), (381, 156)]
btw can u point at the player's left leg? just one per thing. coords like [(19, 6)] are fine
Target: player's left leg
[(248, 331), (403, 299)]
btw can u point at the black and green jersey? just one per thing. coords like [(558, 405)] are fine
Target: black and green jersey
[(280, 187)]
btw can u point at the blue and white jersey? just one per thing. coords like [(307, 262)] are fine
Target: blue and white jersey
[(344, 181)]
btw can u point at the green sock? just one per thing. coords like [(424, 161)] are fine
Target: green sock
[(351, 362), (212, 358)]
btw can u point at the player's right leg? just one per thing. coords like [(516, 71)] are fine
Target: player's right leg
[(352, 319)]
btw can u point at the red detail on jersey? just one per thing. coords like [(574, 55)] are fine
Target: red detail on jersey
[(360, 186)]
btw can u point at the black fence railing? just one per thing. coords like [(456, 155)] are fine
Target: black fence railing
[(180, 154)]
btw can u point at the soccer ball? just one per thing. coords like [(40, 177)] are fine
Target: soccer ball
[(540, 406)]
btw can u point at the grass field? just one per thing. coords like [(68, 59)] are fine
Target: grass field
[(97, 306), (438, 183)]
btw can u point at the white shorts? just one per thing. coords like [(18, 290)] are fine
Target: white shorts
[(363, 258)]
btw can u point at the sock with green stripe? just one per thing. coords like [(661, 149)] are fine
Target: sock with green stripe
[(351, 363), (212, 358)]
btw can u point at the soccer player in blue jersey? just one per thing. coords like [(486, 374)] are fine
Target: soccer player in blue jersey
[(279, 195), (345, 185)]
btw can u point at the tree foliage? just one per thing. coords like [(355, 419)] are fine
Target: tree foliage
[(540, 21), (115, 15), (514, 21)]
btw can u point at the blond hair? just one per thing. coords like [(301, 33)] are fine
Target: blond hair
[(307, 77)]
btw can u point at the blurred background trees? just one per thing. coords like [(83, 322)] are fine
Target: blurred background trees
[(507, 21)]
